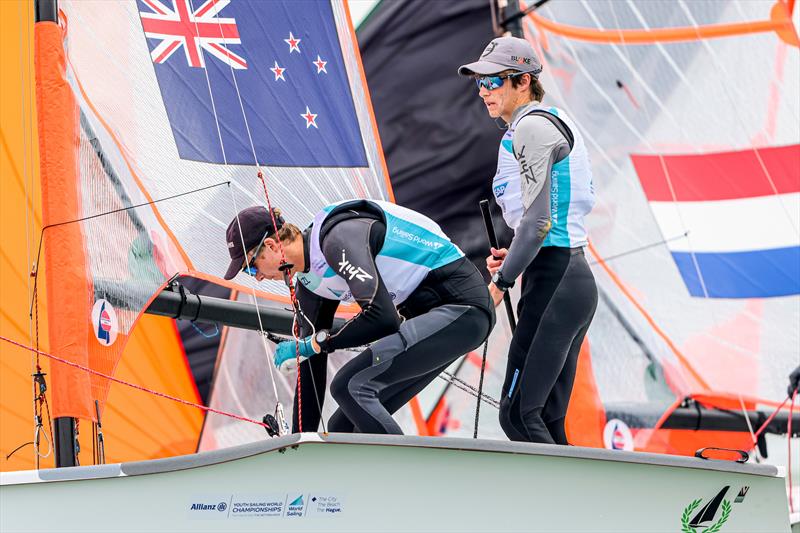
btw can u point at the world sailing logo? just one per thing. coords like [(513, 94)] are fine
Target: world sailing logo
[(704, 520), (104, 322), (178, 26), (296, 507)]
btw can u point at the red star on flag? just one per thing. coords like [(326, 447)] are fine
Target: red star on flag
[(292, 42), (278, 71), (311, 118), (320, 65)]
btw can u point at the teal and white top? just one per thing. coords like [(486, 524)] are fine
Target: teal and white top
[(543, 185), (571, 189), (413, 246)]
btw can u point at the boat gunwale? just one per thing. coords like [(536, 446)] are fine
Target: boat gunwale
[(280, 444)]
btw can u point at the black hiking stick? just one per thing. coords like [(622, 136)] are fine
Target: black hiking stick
[(487, 221)]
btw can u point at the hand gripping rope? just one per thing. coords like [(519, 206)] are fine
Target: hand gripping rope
[(286, 268)]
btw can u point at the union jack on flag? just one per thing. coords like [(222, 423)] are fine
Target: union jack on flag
[(280, 106), (181, 26)]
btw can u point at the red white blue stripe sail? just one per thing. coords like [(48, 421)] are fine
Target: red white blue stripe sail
[(742, 213), (254, 81)]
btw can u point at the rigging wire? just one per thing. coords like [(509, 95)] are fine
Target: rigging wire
[(285, 267), (637, 249), (642, 138), (97, 215), (450, 377), (27, 174), (132, 385), (719, 66), (462, 385), (747, 419), (789, 444), (480, 388), (279, 408), (40, 399)]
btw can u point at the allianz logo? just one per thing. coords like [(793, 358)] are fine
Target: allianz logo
[(221, 507), (416, 238)]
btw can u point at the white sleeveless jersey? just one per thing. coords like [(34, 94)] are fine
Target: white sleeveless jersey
[(571, 189), (414, 245)]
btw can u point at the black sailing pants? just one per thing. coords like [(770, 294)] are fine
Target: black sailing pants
[(558, 301), (380, 380)]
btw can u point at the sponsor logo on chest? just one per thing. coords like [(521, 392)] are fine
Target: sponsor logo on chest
[(350, 271)]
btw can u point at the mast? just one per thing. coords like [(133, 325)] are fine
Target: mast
[(512, 22), (59, 194)]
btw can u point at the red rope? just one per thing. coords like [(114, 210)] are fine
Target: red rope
[(295, 306), (138, 387), (765, 424)]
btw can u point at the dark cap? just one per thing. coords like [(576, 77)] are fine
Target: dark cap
[(256, 225), (504, 53)]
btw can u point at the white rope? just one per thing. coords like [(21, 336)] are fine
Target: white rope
[(747, 419), (250, 136), (255, 302), (236, 209), (36, 434), (279, 407)]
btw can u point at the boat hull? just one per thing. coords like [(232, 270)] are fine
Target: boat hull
[(312, 482)]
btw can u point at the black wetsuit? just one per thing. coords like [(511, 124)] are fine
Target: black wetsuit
[(448, 314), (559, 295)]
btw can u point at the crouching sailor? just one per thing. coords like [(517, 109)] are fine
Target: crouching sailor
[(423, 304)]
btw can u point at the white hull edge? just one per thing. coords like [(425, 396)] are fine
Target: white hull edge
[(312, 482)]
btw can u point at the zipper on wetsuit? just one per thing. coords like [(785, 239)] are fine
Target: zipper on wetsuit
[(513, 382)]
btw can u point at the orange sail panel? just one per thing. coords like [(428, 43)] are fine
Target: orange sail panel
[(68, 295)]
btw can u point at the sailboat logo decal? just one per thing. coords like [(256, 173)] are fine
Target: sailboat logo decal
[(617, 435), (703, 521), (104, 322)]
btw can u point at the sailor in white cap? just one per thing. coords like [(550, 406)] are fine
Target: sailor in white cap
[(544, 187)]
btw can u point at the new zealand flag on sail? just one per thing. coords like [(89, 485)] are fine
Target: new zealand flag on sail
[(239, 77)]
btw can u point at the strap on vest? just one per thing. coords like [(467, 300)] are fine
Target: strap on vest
[(348, 210), (558, 123)]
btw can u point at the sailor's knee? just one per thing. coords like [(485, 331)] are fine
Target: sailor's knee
[(505, 417), (339, 388)]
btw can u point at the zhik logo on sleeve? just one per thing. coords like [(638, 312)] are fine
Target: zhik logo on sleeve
[(347, 268)]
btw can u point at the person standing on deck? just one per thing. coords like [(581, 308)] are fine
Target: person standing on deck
[(544, 187), (423, 304)]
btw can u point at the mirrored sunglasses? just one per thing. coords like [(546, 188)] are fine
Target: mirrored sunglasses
[(494, 82), (248, 267)]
